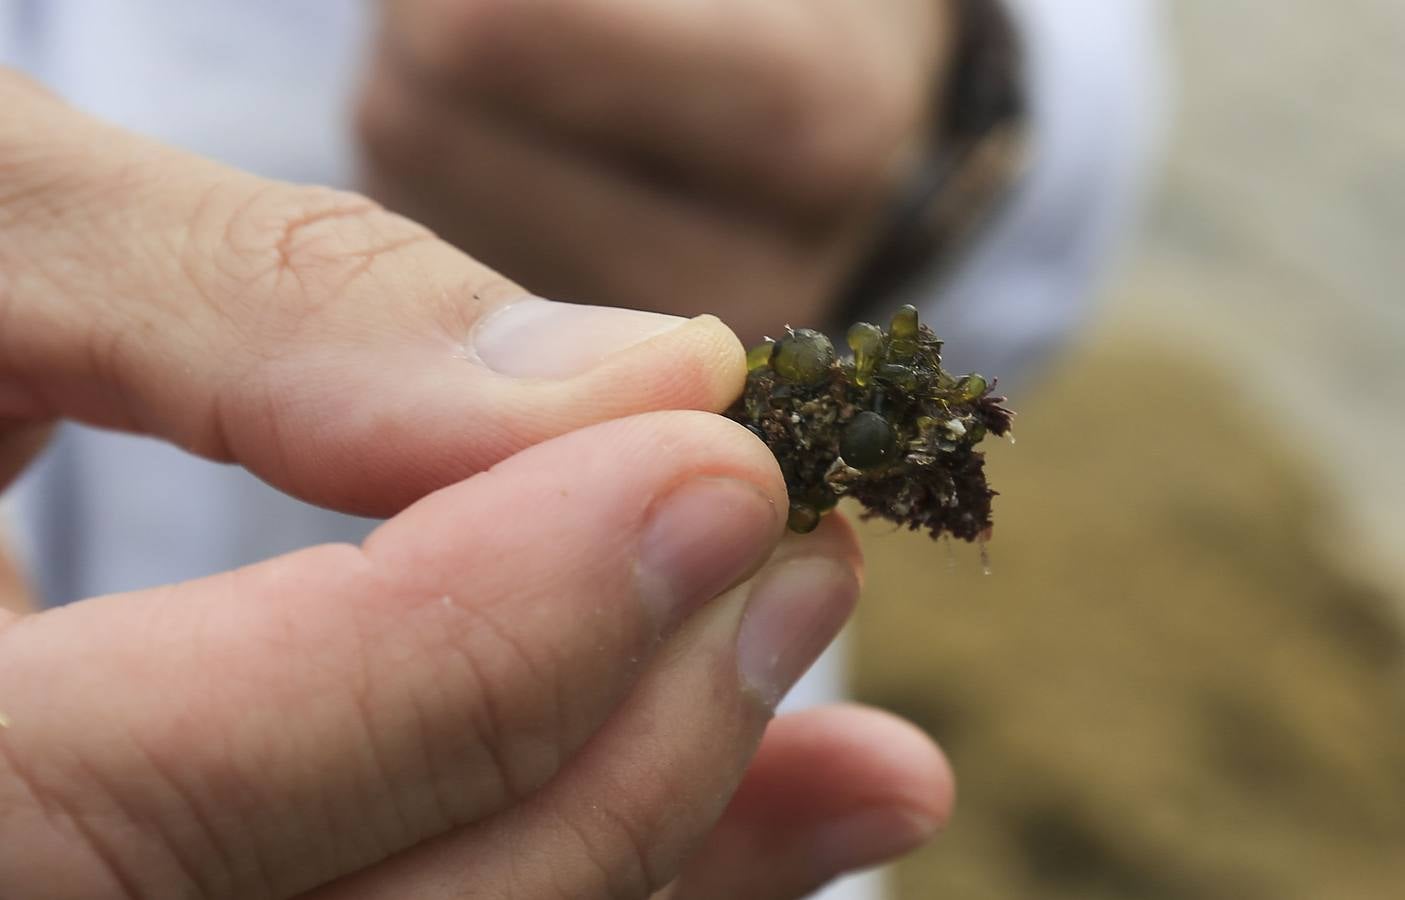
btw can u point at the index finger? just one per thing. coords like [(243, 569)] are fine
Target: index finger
[(340, 352)]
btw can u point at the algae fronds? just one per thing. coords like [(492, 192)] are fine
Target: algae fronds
[(886, 426)]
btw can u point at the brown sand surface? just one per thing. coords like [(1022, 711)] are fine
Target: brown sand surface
[(1170, 686)]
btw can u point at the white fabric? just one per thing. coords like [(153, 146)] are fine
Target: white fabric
[(260, 84), (264, 84), (1095, 75)]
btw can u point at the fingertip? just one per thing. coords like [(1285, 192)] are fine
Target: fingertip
[(914, 765), (532, 337), (832, 790), (897, 789), (835, 536), (723, 357), (698, 365), (879, 758), (587, 494), (728, 447)]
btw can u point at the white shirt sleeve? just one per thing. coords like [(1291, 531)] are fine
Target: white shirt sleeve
[(1095, 90), (260, 84), (263, 85)]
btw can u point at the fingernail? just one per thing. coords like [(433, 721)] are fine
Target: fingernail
[(701, 539), (868, 838), (537, 338), (794, 612)]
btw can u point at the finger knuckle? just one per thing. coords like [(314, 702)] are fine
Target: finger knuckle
[(291, 251)]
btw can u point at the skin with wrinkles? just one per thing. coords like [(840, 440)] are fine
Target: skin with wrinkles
[(447, 702)]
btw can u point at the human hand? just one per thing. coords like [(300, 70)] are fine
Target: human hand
[(544, 680), (728, 157)]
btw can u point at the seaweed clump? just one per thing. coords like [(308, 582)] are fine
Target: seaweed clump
[(886, 426)]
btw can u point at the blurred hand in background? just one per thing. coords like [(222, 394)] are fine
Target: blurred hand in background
[(682, 156), (554, 704)]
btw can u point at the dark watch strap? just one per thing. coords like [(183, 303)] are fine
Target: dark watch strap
[(974, 154)]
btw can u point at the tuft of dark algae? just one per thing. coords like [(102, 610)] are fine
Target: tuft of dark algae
[(886, 426)]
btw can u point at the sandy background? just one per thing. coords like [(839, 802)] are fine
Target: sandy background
[(1185, 677)]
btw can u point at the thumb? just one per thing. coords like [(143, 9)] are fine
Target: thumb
[(342, 353), (264, 731)]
